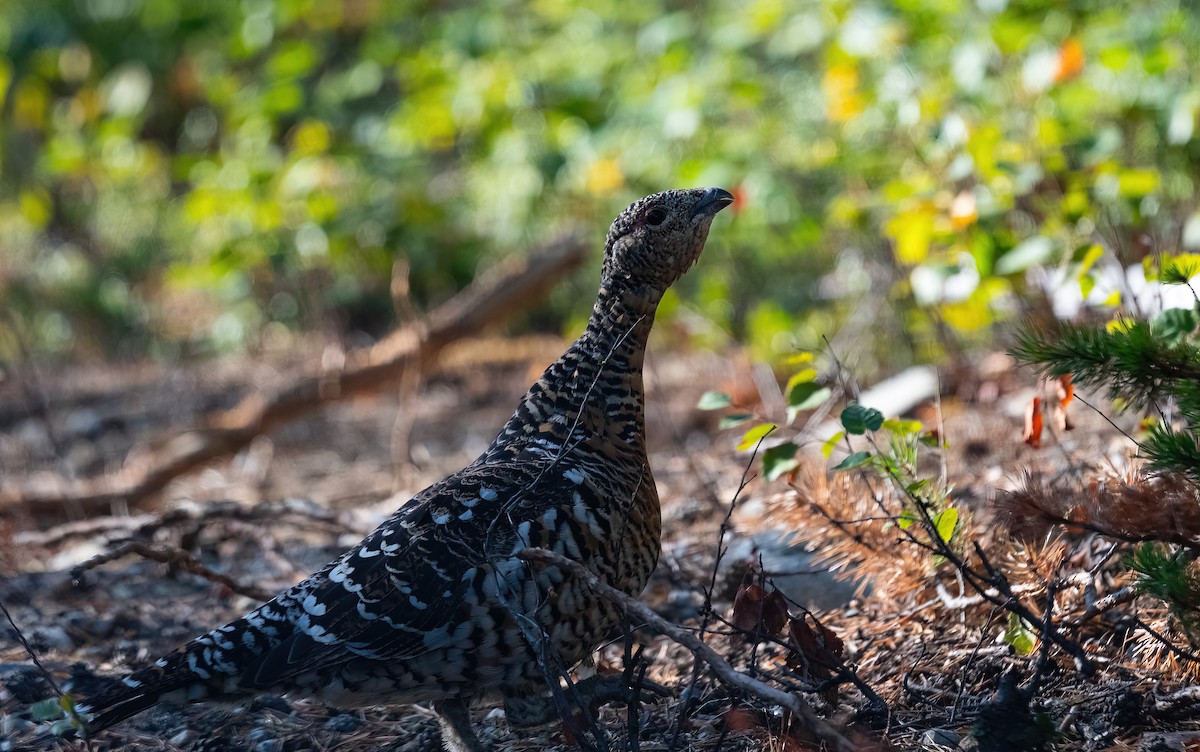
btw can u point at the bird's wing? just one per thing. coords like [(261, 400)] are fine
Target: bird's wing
[(394, 595)]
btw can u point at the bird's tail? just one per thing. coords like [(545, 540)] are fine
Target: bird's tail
[(209, 667)]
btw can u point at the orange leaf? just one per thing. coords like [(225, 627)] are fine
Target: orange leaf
[(1065, 390), (1070, 61), (1033, 423)]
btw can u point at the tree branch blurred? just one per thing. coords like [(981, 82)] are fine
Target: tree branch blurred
[(496, 295)]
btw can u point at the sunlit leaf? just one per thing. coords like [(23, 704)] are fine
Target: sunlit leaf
[(1086, 285), (1137, 183), (842, 98), (1180, 269), (831, 443), (1094, 252), (752, 437), (1019, 636), (898, 426), (801, 377), (946, 522), (912, 233)]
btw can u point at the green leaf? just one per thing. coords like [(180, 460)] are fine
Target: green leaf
[(946, 521), (857, 419), (916, 487), (780, 460), (751, 438), (733, 419), (858, 459), (905, 521), (1174, 324), (831, 442), (1019, 636), (1035, 250), (714, 401), (46, 710), (807, 396)]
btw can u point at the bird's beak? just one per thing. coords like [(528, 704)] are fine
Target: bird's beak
[(713, 201)]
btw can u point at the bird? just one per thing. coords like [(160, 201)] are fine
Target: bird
[(435, 605)]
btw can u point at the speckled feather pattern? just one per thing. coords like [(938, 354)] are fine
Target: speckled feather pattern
[(433, 603)]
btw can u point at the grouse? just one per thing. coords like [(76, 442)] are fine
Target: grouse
[(434, 605)]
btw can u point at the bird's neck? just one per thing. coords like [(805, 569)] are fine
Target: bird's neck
[(617, 331), (594, 392)]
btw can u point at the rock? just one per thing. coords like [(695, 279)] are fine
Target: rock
[(1168, 741), (939, 739), (343, 723), (791, 568), (270, 702)]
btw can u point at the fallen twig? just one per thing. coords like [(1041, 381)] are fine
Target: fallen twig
[(1107, 603), (791, 702), (491, 298), (175, 557), (194, 515)]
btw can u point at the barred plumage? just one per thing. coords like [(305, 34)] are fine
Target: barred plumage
[(433, 605)]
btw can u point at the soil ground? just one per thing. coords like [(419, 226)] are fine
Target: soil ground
[(298, 497)]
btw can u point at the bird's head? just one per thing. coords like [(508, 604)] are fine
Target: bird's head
[(653, 242)]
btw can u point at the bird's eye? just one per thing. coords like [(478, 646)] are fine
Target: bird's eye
[(656, 216)]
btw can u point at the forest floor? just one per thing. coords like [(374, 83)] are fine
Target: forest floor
[(923, 661)]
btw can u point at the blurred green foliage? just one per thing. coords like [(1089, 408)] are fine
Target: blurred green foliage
[(182, 176)]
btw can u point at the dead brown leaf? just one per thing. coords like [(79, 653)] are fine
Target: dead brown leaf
[(1033, 423)]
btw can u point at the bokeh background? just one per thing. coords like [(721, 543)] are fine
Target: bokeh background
[(179, 179)]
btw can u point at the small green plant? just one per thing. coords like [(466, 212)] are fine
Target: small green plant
[(62, 715), (1169, 574), (1151, 365), (803, 392), (926, 500)]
